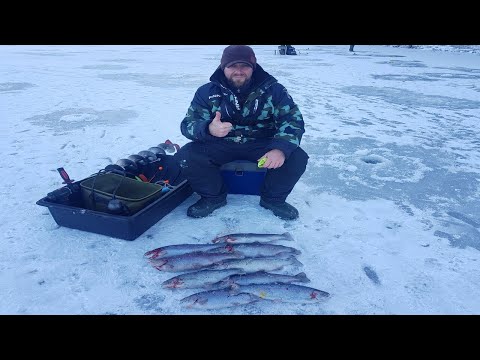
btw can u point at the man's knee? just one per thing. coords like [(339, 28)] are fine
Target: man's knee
[(191, 152), (298, 159)]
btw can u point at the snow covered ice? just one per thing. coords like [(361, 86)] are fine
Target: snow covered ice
[(389, 204)]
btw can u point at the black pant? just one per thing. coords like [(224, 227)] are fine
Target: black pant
[(201, 162)]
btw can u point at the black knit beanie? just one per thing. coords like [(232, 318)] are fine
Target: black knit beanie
[(238, 54)]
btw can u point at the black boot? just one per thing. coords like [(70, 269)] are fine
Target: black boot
[(283, 210), (205, 206)]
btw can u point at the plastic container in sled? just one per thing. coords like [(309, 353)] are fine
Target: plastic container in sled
[(69, 210)]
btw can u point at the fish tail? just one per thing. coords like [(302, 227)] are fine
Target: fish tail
[(287, 236), (295, 261), (302, 277)]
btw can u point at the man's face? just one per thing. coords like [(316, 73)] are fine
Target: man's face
[(238, 74)]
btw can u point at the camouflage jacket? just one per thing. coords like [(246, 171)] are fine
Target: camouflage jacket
[(268, 112)]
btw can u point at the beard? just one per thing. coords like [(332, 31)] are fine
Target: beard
[(239, 81)]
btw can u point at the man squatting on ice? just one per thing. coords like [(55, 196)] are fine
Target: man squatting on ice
[(243, 113)]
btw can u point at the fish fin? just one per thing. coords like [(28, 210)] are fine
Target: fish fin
[(234, 289), (253, 297), (235, 271), (285, 255), (302, 277), (287, 236), (260, 272), (295, 261), (222, 284)]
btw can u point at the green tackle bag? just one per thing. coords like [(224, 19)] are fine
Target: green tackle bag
[(98, 190)]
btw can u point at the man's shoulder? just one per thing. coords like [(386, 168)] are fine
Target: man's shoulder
[(277, 88), (208, 92), (205, 86), (209, 87), (280, 92)]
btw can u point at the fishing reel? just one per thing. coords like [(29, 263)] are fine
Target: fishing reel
[(169, 147), (139, 160), (148, 155), (158, 151)]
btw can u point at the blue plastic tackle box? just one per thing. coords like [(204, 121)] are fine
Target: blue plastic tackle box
[(243, 177)]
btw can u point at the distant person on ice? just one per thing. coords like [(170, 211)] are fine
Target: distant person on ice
[(243, 113), (351, 48)]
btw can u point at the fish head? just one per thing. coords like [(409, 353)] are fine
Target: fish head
[(225, 238), (161, 264), (230, 239), (155, 253), (174, 283), (317, 295), (194, 301), (217, 239)]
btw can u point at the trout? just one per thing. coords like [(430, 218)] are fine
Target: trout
[(250, 237)]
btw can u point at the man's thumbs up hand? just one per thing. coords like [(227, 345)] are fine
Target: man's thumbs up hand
[(218, 128)]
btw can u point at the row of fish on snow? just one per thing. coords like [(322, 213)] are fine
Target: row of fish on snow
[(235, 270)]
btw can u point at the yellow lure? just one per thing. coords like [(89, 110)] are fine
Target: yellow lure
[(261, 162)]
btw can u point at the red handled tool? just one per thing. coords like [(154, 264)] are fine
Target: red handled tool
[(65, 177), (62, 195)]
